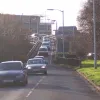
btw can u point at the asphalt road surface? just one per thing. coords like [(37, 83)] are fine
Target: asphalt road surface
[(59, 84)]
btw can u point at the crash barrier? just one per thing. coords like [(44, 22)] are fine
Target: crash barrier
[(33, 52), (30, 54), (67, 61)]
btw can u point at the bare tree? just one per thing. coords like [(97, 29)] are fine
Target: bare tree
[(14, 41), (85, 20)]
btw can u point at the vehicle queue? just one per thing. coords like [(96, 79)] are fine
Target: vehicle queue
[(15, 72)]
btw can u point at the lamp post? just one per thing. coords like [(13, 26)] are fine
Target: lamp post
[(62, 27), (48, 25), (56, 23), (55, 32), (94, 32)]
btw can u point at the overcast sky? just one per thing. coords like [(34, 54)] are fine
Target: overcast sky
[(38, 7)]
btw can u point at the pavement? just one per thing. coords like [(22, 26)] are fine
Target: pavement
[(59, 84)]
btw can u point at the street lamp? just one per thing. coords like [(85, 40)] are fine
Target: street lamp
[(52, 22), (55, 35), (94, 32), (62, 28), (56, 24), (48, 25)]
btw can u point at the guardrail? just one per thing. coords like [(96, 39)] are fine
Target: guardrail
[(34, 50)]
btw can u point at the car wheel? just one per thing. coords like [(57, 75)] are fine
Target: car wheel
[(45, 72)]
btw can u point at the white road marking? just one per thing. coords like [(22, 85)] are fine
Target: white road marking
[(29, 94), (40, 80), (35, 87)]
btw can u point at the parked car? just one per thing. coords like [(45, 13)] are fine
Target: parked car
[(13, 72), (36, 65), (43, 51)]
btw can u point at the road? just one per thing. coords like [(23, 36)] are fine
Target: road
[(59, 84)]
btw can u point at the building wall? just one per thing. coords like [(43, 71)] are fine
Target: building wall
[(45, 28), (31, 22), (28, 21), (60, 46), (69, 33)]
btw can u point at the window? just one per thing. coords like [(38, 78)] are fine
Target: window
[(43, 49), (35, 61), (10, 66)]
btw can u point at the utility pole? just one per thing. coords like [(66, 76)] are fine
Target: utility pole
[(21, 21), (63, 34), (94, 32), (37, 25), (30, 23)]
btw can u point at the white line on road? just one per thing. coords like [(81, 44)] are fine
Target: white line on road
[(29, 94), (35, 87), (40, 80)]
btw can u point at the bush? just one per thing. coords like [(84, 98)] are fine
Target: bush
[(73, 62), (59, 60), (70, 59)]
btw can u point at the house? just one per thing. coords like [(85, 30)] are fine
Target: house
[(31, 22), (45, 28), (28, 21), (67, 34)]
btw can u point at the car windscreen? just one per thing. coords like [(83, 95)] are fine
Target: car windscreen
[(35, 61), (43, 49), (10, 66)]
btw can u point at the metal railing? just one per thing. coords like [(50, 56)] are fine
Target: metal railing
[(34, 50)]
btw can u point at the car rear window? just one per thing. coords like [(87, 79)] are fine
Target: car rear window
[(11, 66), (35, 61), (43, 49)]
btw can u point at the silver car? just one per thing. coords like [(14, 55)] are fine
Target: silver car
[(43, 51), (36, 65)]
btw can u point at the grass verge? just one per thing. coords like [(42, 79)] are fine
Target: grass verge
[(88, 70)]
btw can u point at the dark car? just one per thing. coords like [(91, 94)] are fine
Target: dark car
[(43, 51), (13, 72)]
